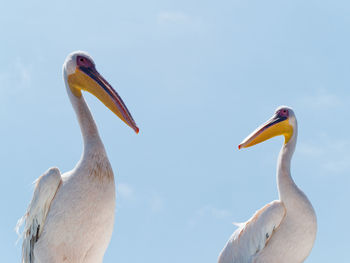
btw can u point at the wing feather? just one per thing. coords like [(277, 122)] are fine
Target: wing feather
[(46, 187), (253, 235)]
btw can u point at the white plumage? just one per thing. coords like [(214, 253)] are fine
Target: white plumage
[(283, 231), (252, 236), (71, 217), (45, 189)]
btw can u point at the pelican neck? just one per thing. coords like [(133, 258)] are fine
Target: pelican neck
[(287, 188), (89, 131)]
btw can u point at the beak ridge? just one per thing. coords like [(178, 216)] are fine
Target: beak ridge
[(117, 105), (264, 132)]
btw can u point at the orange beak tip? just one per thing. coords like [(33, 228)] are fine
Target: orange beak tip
[(137, 130), (239, 146)]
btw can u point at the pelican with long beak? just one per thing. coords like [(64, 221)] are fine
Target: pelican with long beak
[(71, 216), (284, 230)]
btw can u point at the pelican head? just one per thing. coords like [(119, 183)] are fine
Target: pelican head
[(283, 122), (80, 73)]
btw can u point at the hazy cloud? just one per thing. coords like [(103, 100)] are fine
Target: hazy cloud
[(331, 154), (156, 203), (310, 149), (321, 100), (14, 78), (208, 212), (16, 75), (125, 191), (173, 17), (179, 20), (212, 211), (150, 199)]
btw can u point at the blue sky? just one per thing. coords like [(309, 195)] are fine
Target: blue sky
[(198, 77)]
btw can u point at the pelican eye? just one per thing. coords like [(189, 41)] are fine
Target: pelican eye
[(283, 113)]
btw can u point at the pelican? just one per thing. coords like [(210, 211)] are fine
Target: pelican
[(71, 215), (284, 230)]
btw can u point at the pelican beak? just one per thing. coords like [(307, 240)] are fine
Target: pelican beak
[(277, 125), (88, 79)]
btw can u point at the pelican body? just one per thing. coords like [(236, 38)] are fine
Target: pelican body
[(71, 216), (284, 230)]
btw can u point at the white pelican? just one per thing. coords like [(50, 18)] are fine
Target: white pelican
[(71, 216), (284, 230)]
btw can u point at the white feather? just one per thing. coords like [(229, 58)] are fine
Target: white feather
[(71, 216), (252, 236), (46, 187), (284, 230)]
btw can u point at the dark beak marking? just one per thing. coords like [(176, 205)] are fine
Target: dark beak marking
[(92, 73)]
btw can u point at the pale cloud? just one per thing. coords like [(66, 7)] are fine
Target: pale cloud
[(337, 156), (208, 211), (156, 203), (331, 154), (309, 149), (150, 199), (14, 79), (173, 17), (212, 211), (179, 20), (338, 165), (23, 72), (16, 76), (322, 99), (125, 191)]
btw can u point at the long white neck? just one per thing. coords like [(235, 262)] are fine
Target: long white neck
[(91, 137), (287, 189)]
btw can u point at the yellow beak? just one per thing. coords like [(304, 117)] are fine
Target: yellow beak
[(90, 80), (277, 125)]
